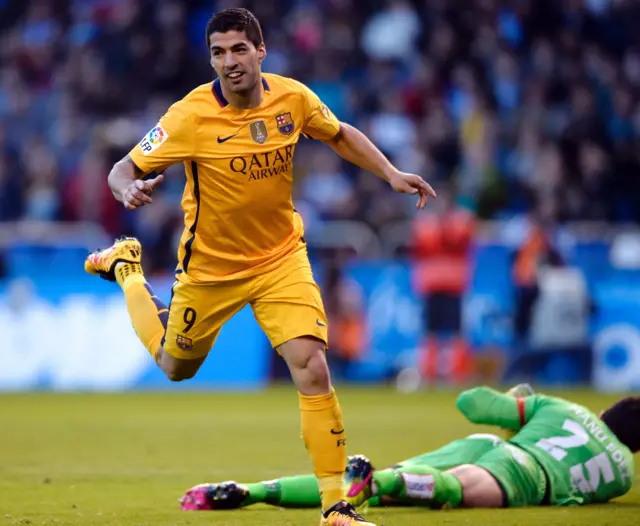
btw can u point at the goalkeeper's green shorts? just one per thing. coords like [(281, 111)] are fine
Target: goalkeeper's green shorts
[(463, 451), (521, 477)]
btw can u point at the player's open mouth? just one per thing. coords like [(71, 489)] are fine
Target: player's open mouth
[(235, 76)]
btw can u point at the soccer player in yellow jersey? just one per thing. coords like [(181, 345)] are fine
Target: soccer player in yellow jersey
[(243, 241)]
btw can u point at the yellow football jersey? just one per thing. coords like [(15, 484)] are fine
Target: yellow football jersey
[(238, 210)]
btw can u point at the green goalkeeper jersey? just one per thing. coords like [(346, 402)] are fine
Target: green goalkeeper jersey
[(583, 459)]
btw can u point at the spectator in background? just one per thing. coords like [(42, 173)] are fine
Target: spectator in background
[(348, 335), (11, 186), (41, 174), (328, 85), (390, 128), (536, 250), (326, 188), (441, 267), (86, 195), (10, 191), (595, 200), (391, 33)]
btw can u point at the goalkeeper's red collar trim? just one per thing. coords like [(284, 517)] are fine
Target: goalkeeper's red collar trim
[(522, 412)]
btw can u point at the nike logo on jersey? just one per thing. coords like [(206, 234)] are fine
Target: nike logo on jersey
[(225, 139), (334, 432), (318, 322)]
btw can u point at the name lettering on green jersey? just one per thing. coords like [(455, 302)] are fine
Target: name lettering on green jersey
[(612, 448), (586, 477)]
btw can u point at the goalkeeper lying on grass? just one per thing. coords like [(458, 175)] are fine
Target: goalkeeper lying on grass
[(558, 453)]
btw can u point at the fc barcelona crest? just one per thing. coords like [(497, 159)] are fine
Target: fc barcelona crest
[(184, 343), (285, 123), (258, 131)]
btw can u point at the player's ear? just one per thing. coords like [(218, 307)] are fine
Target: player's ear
[(262, 52)]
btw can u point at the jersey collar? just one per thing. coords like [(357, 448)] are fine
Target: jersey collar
[(217, 91)]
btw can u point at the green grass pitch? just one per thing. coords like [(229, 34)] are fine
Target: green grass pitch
[(125, 459)]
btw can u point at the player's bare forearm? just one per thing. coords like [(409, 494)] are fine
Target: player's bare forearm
[(354, 146), (122, 175), (483, 405), (127, 187)]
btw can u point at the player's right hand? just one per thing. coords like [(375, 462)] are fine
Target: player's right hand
[(412, 184), (138, 193)]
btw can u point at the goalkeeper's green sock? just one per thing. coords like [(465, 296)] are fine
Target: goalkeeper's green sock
[(288, 492), (423, 485)]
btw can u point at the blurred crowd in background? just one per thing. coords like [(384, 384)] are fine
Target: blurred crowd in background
[(524, 109), (517, 105)]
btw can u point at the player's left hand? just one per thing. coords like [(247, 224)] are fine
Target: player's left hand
[(138, 193), (412, 184)]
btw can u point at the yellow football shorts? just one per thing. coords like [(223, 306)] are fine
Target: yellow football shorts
[(286, 303)]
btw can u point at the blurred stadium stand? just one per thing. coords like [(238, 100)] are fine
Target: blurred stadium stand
[(524, 113)]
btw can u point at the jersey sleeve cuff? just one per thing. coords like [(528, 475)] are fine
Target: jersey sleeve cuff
[(138, 163), (522, 412)]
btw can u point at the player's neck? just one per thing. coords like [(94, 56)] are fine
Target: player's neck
[(247, 100)]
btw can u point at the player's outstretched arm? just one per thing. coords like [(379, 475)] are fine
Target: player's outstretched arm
[(354, 146), (483, 405), (126, 186)]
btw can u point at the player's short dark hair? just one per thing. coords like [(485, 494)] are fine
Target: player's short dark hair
[(623, 418), (236, 19)]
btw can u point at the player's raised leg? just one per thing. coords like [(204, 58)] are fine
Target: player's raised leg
[(149, 316), (121, 263)]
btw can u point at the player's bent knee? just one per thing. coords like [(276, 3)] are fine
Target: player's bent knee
[(314, 377), (176, 375), (317, 367), (307, 363), (176, 369)]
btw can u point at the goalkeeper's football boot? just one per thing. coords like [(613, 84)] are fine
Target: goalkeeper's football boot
[(521, 391), (343, 514), (217, 496), (358, 478), (103, 262)]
